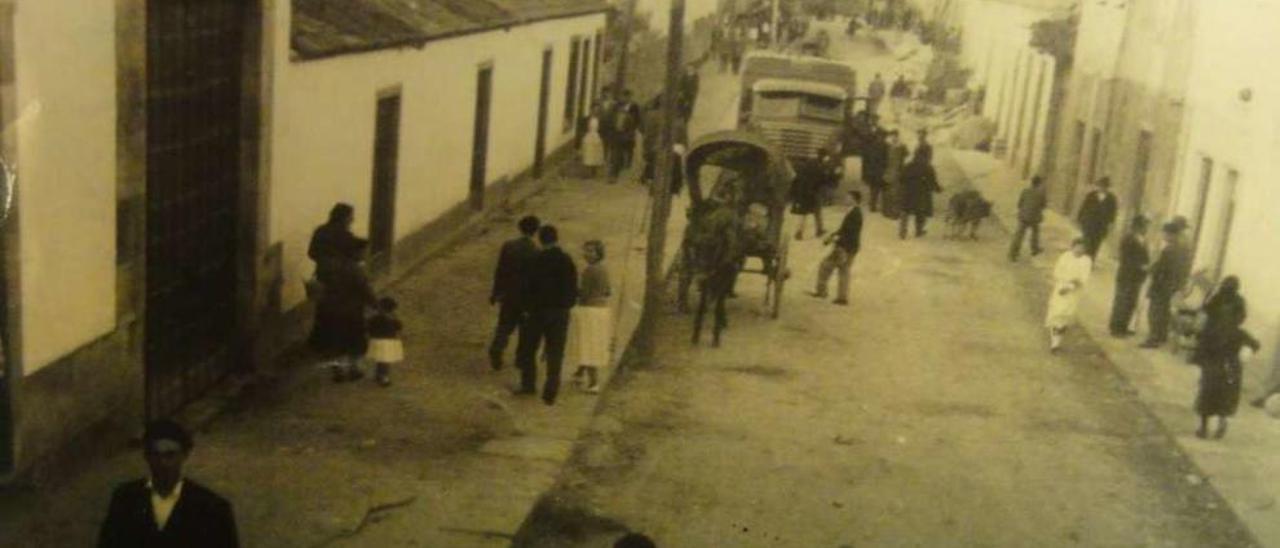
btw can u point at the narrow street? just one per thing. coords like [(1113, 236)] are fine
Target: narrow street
[(927, 413)]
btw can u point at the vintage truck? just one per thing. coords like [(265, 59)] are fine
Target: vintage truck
[(801, 104)]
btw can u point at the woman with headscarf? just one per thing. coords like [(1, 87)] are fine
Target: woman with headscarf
[(919, 184), (338, 335), (1070, 274), (1218, 355)]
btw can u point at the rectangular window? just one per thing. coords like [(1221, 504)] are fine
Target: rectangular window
[(571, 86)]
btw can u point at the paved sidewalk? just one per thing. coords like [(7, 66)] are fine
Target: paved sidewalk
[(444, 457), (1244, 466)]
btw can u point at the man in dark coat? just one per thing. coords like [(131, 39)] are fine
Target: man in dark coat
[(1097, 213), (167, 510), (550, 291), (1168, 275), (848, 240), (875, 156), (623, 124), (1134, 260), (919, 184), (894, 166), (1031, 204), (806, 195), (508, 283), (875, 92)]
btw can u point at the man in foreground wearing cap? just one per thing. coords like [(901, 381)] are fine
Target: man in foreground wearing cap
[(1168, 275), (166, 509)]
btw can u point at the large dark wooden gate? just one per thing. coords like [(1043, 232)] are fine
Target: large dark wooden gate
[(194, 56)]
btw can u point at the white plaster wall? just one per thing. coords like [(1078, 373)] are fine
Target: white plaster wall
[(66, 163), (323, 126), (1234, 50), (1102, 24)]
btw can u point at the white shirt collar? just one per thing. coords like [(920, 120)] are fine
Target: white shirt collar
[(162, 506)]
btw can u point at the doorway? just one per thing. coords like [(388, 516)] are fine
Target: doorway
[(480, 136), (382, 208), (194, 54), (544, 100)]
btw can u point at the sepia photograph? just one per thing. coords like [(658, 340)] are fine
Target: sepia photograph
[(639, 273)]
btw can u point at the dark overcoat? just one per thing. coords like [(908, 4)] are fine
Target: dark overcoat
[(919, 184), (200, 519)]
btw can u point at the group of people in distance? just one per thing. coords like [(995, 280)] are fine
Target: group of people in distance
[(608, 132), (1213, 320)]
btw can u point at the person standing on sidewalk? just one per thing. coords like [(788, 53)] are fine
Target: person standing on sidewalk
[(593, 323), (624, 121), (1070, 274), (1134, 260), (1218, 355), (508, 283), (919, 184), (1031, 204), (1168, 275), (167, 509), (1097, 213), (550, 292), (848, 240)]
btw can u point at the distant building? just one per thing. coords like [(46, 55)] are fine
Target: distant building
[(173, 156)]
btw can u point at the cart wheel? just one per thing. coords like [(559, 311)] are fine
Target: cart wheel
[(780, 274)]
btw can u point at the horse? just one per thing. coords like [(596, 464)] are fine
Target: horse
[(710, 259)]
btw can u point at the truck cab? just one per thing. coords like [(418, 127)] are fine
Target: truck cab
[(801, 104)]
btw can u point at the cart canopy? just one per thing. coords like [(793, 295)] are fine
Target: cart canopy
[(761, 166)]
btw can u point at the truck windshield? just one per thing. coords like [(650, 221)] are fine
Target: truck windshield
[(791, 104)]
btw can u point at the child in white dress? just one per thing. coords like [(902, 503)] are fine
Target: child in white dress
[(1070, 274), (385, 348)]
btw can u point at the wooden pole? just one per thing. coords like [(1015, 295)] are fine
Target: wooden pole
[(773, 27), (655, 276)]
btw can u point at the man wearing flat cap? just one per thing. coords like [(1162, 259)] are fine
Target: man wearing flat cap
[(1097, 214), (166, 509), (1168, 274)]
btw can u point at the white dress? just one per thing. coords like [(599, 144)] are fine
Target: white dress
[(592, 145), (1070, 273)]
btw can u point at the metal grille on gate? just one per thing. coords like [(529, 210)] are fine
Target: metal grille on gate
[(193, 138)]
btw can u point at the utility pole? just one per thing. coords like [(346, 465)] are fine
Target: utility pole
[(624, 47), (655, 277)]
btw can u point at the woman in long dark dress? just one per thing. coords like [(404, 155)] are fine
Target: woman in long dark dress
[(1218, 355), (338, 334)]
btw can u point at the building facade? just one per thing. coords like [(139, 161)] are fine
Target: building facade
[(172, 157), (1228, 182)]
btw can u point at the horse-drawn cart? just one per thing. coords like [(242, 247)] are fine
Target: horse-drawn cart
[(737, 217)]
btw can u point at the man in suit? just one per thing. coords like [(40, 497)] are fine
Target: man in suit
[(1168, 275), (1134, 260), (623, 123), (1096, 215), (875, 156), (167, 510), (848, 240), (1031, 204), (508, 282), (550, 291)]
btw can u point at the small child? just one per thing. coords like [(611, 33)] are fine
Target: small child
[(385, 347), (592, 320)]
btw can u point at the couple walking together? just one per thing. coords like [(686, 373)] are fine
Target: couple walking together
[(536, 287)]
